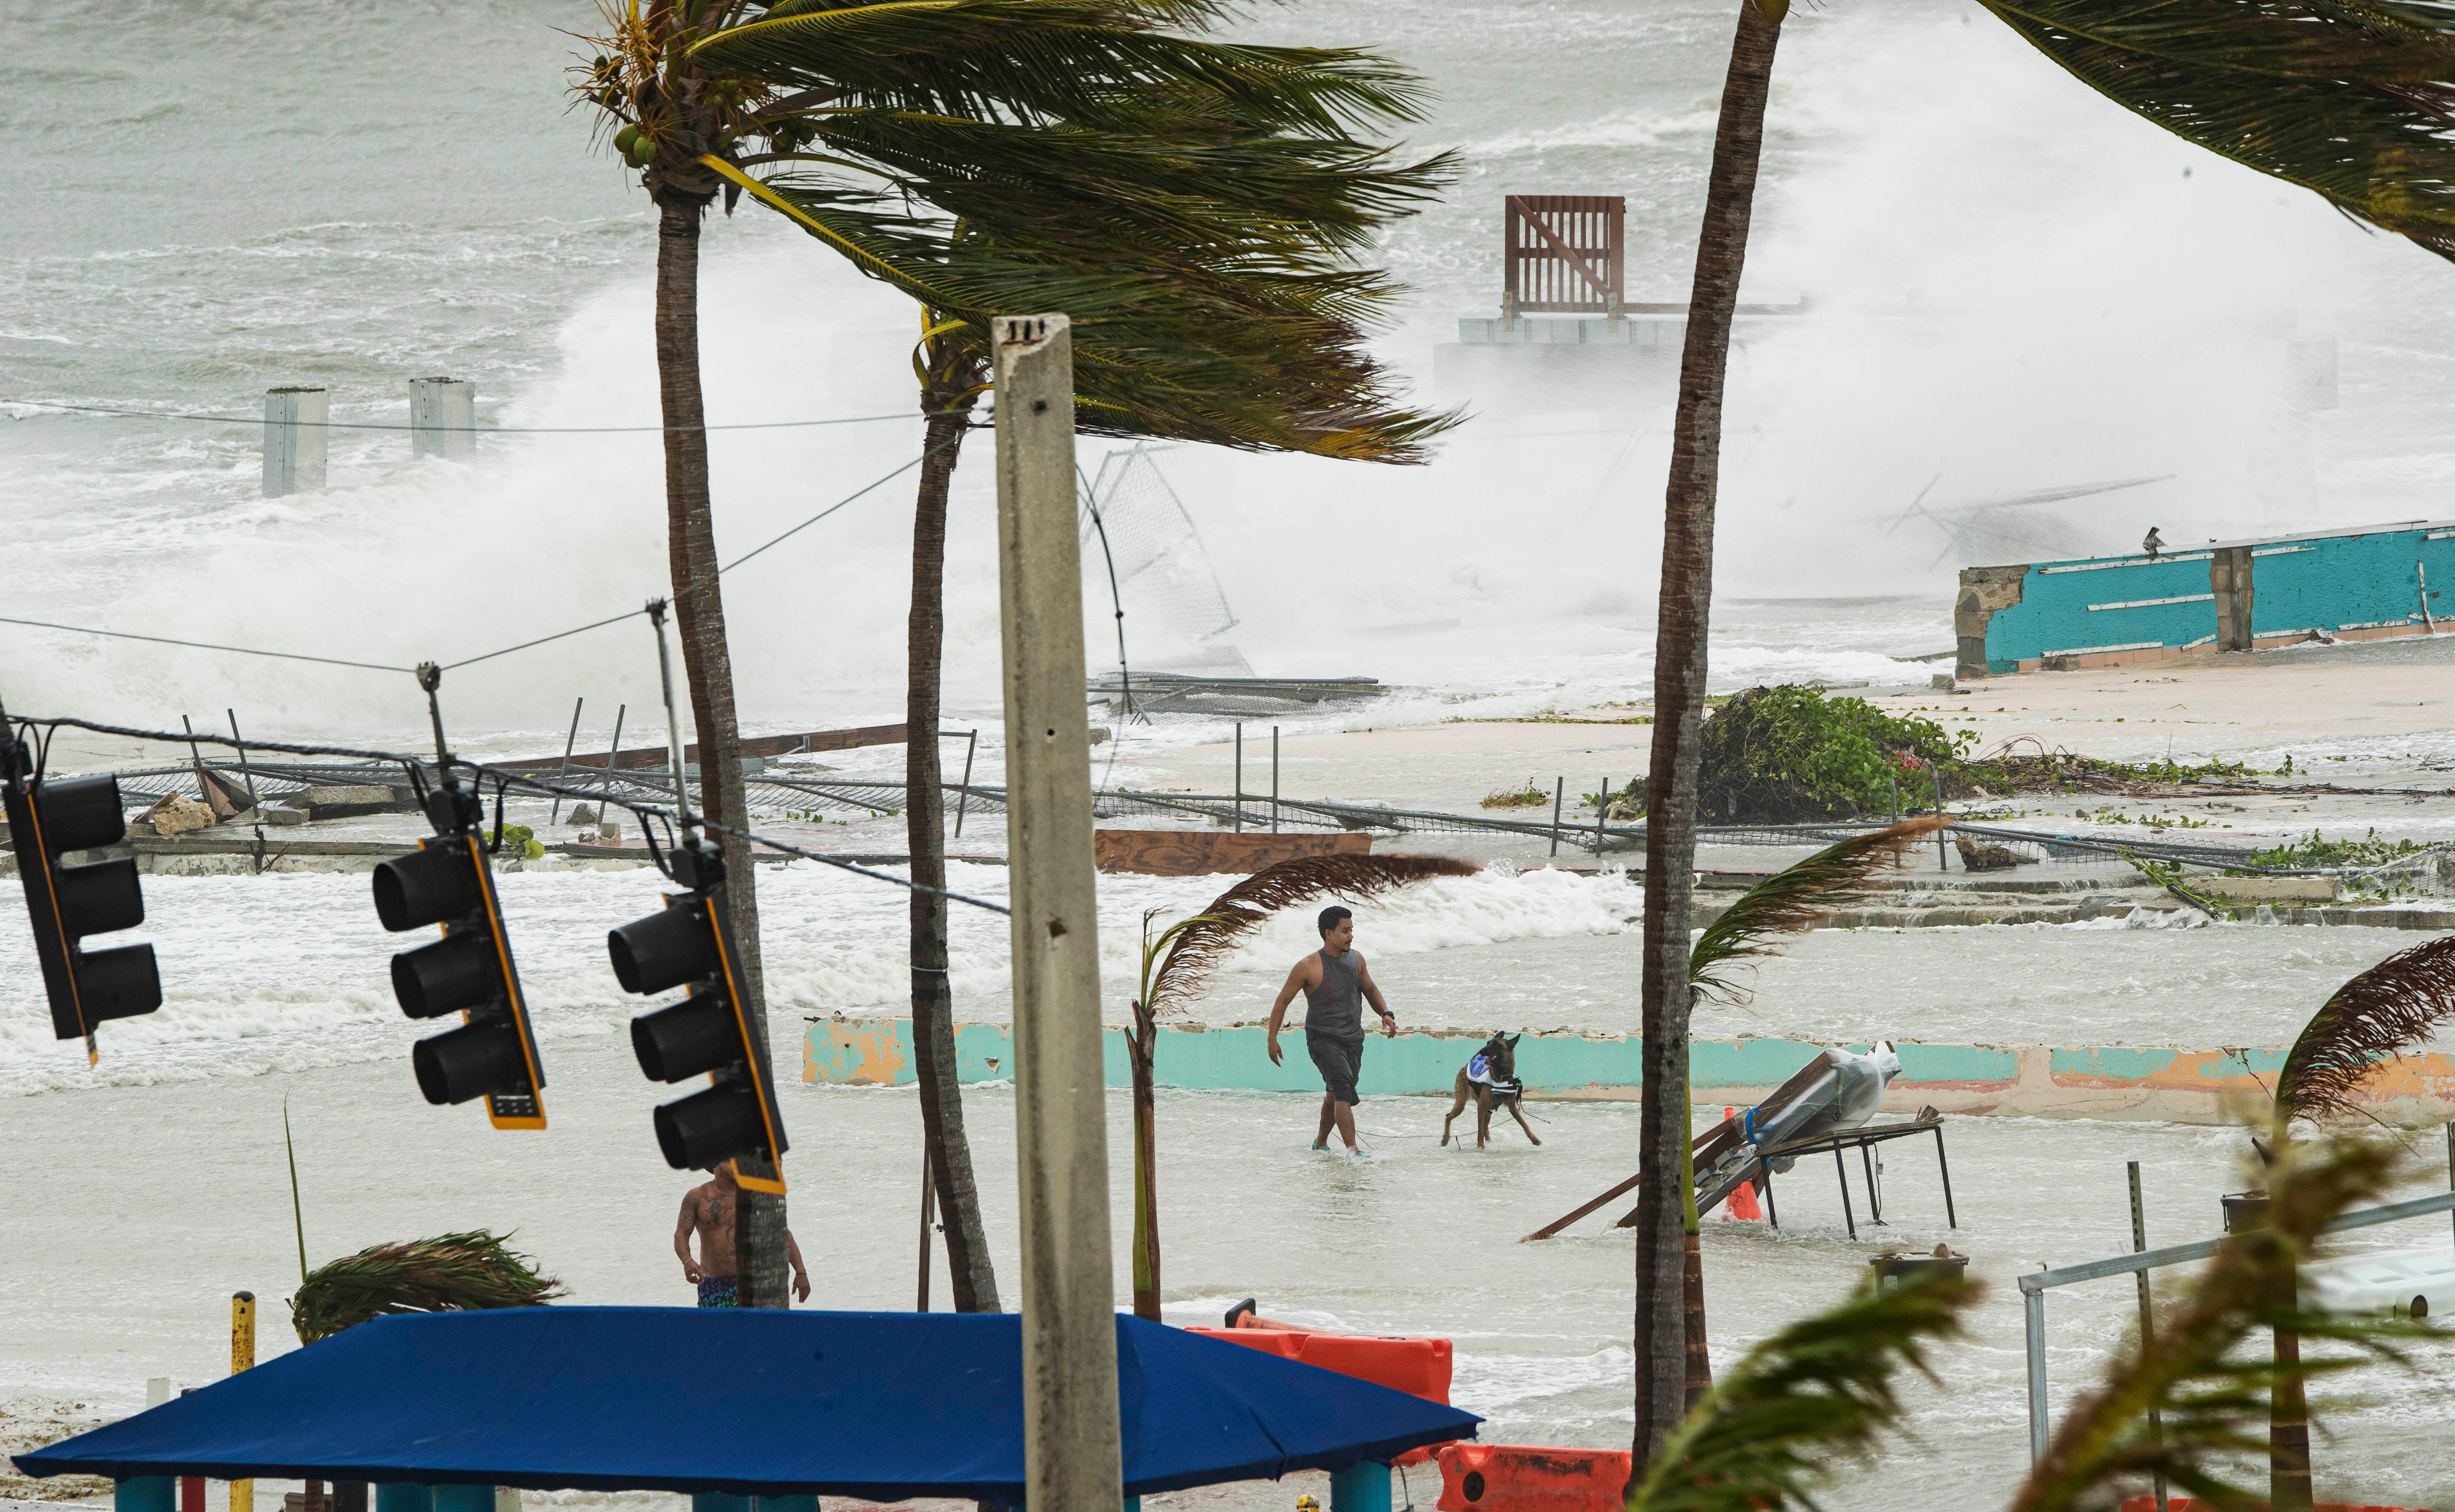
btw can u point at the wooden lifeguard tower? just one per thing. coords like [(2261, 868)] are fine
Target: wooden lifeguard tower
[(1564, 254)]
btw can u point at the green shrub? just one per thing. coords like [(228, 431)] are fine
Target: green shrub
[(1789, 754), (518, 839), (1527, 797)]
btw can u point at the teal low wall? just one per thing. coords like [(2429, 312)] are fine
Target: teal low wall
[(2092, 1081)]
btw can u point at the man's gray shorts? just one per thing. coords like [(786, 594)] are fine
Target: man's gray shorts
[(1340, 1061)]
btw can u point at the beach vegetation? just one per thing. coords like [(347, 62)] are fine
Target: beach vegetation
[(1527, 797), (454, 1273), (2314, 850)]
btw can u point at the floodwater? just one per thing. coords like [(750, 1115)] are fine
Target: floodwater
[(135, 1211)]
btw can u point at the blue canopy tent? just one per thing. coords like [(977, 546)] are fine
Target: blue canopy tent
[(747, 1402)]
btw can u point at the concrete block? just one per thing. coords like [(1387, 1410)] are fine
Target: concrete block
[(349, 801)]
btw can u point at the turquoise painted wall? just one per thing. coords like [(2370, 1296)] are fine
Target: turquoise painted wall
[(2098, 603), (1237, 1058), (2347, 582), (2355, 581)]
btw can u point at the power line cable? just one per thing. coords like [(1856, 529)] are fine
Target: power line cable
[(201, 645), (518, 779), (461, 430)]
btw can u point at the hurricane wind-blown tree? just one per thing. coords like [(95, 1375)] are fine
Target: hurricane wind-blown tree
[(1191, 206), (454, 1273), (1178, 963), (2347, 98)]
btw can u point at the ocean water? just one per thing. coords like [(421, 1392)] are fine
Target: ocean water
[(263, 194)]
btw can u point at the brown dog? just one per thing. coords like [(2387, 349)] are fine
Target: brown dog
[(1490, 1078)]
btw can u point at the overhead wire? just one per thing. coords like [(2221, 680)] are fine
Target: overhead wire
[(465, 430), (520, 779)]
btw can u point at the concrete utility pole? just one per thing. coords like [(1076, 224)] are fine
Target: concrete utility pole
[(1071, 1458)]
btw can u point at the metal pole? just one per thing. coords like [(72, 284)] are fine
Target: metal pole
[(673, 720), (613, 759), (242, 1493), (2147, 1316), (1773, 1214), (2034, 1306), (971, 743), (1941, 863), (1601, 809), (1071, 1458), (1841, 1169), (1951, 1218), (1874, 1197), (243, 768), (563, 777), (1559, 792), (205, 795), (1893, 780), (1240, 776), (1274, 779), (928, 1214)]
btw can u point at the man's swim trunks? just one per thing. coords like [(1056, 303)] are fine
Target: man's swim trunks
[(721, 1291), (1340, 1061)]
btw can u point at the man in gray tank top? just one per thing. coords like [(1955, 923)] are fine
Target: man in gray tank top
[(1336, 985)]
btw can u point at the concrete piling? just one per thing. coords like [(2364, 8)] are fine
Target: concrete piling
[(442, 418), (294, 421)]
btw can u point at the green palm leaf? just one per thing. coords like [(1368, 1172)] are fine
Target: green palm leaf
[(2211, 1391), (1794, 900), (2401, 1003), (1815, 1395), (2352, 102)]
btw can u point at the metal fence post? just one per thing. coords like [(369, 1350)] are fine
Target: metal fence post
[(1274, 779), (1942, 863), (1071, 1453), (2147, 1316), (1240, 776), (1560, 792), (971, 744), (2034, 1306), (563, 777), (294, 439), (1602, 811), (442, 418)]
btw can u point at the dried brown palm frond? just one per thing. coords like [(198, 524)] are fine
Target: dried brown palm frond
[(1794, 900), (454, 1273), (2210, 1392), (1195, 947), (2397, 1005)]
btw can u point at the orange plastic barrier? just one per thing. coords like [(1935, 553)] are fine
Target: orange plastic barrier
[(1419, 1367), (1515, 1478)]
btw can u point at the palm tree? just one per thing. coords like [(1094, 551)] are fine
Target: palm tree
[(1191, 205), (1196, 947), (2347, 98)]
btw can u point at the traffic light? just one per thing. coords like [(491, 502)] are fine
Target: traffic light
[(708, 1032), (49, 817), (468, 971)]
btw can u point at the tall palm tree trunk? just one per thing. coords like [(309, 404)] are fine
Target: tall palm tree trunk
[(1698, 1350), (1142, 1044), (924, 808), (1679, 717), (707, 664)]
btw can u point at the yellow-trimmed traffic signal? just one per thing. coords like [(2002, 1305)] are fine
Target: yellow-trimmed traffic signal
[(707, 1032), (468, 971), (47, 818)]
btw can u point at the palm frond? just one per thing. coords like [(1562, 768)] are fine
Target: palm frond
[(1055, 59), (454, 1273), (1200, 944), (2354, 102), (1816, 1395), (2211, 1393), (2401, 1003), (1796, 898)]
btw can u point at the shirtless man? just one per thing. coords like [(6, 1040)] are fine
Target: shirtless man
[(710, 1211), (1336, 984)]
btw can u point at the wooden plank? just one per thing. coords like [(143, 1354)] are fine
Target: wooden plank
[(1200, 853), (765, 745)]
